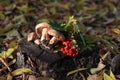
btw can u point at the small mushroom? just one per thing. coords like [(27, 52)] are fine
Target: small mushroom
[(31, 37), (37, 41), (53, 40), (39, 28), (57, 36), (44, 31)]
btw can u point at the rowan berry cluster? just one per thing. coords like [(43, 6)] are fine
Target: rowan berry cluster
[(68, 48)]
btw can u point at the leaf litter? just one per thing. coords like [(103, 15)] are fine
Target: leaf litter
[(98, 22)]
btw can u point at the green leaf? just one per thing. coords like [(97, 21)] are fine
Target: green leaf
[(24, 8), (10, 7), (56, 25), (70, 20), (8, 27), (106, 77), (77, 70), (2, 16), (19, 20), (76, 28), (6, 54), (111, 6), (112, 75), (94, 70)]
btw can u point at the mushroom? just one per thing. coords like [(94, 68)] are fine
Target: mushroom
[(31, 37), (57, 36), (44, 31), (39, 28), (37, 41), (44, 34)]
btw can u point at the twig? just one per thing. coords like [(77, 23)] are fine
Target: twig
[(5, 63)]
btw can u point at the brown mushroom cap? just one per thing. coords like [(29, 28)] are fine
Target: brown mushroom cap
[(44, 31), (31, 37), (39, 27), (56, 34)]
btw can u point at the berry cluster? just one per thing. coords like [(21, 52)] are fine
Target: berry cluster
[(69, 49)]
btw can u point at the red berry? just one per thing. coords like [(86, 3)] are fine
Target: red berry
[(68, 49)]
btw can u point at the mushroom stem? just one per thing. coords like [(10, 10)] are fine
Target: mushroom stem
[(53, 40), (39, 28), (45, 35), (44, 31)]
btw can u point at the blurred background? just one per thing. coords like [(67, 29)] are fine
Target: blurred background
[(98, 21), (19, 17)]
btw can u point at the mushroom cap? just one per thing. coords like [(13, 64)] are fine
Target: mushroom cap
[(56, 34), (40, 26), (31, 36)]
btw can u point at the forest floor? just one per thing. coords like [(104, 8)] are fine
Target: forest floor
[(93, 25)]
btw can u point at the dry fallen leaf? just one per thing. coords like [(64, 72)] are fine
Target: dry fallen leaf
[(116, 30), (37, 41), (17, 72), (99, 67), (107, 77), (2, 78), (118, 76), (45, 78), (31, 77), (92, 77)]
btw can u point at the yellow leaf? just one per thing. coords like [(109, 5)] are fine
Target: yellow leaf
[(100, 77), (106, 77), (116, 30), (77, 70), (20, 71), (112, 75), (6, 54), (9, 77)]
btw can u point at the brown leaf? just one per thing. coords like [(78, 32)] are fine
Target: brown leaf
[(92, 77), (31, 77), (116, 30), (118, 76), (45, 78), (2, 78), (1, 6), (109, 21)]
